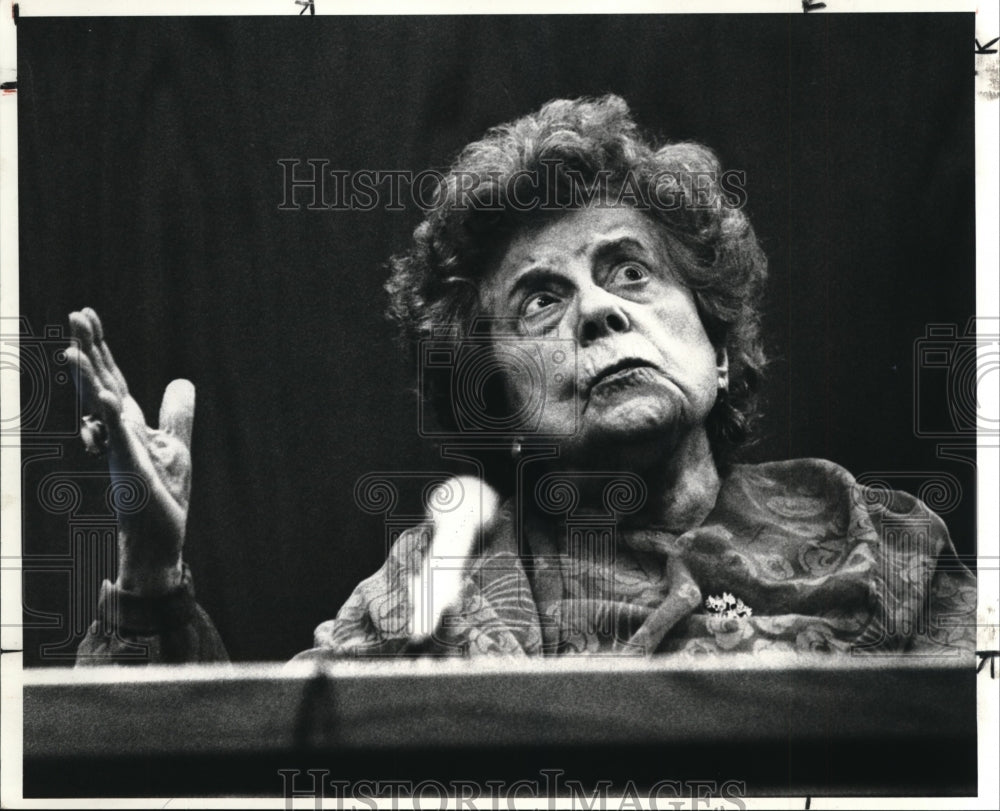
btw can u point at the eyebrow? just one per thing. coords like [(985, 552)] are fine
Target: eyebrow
[(534, 277), (615, 244), (537, 275)]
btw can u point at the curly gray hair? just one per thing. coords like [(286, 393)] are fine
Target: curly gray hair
[(550, 161)]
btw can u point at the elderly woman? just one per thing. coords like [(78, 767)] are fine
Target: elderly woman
[(627, 280)]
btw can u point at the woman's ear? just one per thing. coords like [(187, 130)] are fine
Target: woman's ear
[(722, 365)]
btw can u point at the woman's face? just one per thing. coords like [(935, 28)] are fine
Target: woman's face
[(599, 280)]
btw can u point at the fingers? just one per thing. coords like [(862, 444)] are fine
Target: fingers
[(100, 346), (87, 383), (177, 410), (111, 408), (86, 327), (83, 331), (101, 386)]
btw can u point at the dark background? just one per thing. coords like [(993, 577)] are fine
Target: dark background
[(149, 190)]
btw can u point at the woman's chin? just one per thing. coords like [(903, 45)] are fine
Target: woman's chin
[(636, 425), (637, 415)]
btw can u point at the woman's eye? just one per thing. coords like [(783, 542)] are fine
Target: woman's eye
[(628, 273), (539, 302)]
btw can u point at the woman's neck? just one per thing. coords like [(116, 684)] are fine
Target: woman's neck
[(680, 480), (683, 486)]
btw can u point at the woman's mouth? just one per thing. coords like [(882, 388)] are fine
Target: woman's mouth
[(619, 374)]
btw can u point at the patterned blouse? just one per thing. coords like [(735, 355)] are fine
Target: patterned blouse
[(795, 556)]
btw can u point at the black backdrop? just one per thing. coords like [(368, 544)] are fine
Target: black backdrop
[(149, 189)]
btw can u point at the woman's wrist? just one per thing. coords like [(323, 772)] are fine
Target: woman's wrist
[(147, 606), (149, 580)]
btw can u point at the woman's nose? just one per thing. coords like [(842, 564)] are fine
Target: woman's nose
[(600, 315)]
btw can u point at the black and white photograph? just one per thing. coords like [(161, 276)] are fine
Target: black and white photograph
[(479, 407)]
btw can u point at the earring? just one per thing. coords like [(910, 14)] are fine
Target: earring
[(515, 450)]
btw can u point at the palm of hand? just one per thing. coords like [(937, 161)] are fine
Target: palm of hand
[(151, 532)]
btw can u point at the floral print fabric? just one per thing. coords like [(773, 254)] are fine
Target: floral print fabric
[(795, 557)]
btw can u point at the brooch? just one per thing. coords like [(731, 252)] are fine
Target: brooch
[(728, 607)]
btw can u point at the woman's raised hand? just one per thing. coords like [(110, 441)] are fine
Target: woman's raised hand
[(150, 534)]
